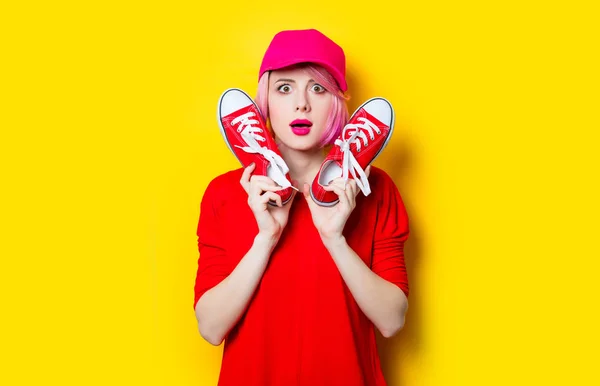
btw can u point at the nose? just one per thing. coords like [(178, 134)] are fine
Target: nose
[(302, 103)]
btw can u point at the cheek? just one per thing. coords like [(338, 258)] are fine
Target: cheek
[(275, 116), (324, 111), (278, 120)]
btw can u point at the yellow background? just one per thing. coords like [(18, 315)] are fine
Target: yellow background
[(109, 138)]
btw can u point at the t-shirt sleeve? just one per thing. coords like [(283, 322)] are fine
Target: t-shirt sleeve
[(391, 233), (213, 264)]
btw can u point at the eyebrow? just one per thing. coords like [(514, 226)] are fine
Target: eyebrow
[(290, 80)]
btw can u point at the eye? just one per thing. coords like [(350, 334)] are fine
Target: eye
[(318, 88), (284, 88)]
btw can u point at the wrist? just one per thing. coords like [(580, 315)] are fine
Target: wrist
[(333, 242), (266, 240)]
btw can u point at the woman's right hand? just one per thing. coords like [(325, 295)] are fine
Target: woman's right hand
[(271, 220)]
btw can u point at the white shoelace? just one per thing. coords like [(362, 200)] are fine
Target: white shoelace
[(349, 160), (251, 135)]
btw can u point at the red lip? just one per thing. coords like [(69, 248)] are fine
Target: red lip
[(301, 122), (300, 130)]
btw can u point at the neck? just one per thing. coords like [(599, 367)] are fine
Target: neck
[(304, 165)]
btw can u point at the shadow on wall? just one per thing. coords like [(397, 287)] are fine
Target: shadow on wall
[(406, 343), (398, 161)]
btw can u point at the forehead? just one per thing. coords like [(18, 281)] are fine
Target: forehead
[(294, 73)]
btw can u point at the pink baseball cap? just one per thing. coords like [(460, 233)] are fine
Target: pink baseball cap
[(301, 46)]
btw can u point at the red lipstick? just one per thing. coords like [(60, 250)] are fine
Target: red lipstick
[(301, 126)]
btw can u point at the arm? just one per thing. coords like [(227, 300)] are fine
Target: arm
[(381, 291), (219, 309), (223, 292), (384, 303)]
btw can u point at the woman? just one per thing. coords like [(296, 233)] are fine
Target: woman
[(297, 282)]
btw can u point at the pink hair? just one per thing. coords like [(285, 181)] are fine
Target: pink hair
[(338, 115)]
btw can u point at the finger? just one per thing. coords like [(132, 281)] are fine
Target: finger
[(351, 186), (245, 179), (368, 171), (266, 187), (248, 171), (337, 190), (258, 187), (306, 191), (339, 182), (270, 196), (356, 188), (350, 195), (269, 181), (264, 179), (307, 197)]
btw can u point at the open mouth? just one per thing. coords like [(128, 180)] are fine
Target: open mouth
[(301, 126), (305, 123)]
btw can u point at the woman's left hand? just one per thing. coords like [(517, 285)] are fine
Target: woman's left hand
[(330, 221)]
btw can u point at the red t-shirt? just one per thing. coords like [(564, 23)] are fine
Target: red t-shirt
[(302, 326)]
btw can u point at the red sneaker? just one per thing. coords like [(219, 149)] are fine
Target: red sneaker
[(247, 137), (364, 137)]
